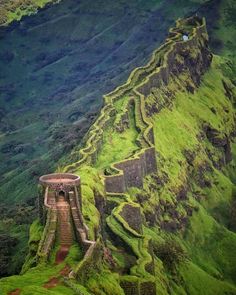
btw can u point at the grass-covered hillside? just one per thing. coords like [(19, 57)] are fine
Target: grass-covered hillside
[(225, 29), (14, 10), (175, 234), (55, 67)]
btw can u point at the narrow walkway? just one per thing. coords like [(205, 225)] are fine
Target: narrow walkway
[(64, 229)]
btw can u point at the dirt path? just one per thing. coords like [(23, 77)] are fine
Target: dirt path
[(15, 292), (61, 254), (53, 282)]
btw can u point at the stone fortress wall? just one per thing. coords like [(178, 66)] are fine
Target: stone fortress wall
[(157, 72), (48, 217), (131, 171)]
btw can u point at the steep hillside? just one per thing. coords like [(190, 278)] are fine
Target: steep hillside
[(55, 67), (56, 92), (14, 10), (158, 186)]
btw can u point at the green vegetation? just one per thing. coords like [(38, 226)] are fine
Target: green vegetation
[(180, 241), (117, 146), (33, 280), (187, 117), (47, 99), (36, 231), (225, 30), (171, 254), (15, 10)]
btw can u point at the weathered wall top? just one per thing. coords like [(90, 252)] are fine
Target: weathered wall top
[(60, 181)]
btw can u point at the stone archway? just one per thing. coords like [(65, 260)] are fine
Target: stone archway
[(62, 196)]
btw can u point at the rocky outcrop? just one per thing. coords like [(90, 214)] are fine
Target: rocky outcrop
[(220, 141)]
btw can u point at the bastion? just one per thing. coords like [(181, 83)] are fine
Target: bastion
[(55, 185), (60, 207), (60, 181)]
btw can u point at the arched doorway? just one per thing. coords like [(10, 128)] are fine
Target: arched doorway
[(61, 196)]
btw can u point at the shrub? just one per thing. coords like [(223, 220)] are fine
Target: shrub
[(171, 253)]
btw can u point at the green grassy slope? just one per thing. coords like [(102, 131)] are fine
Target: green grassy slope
[(225, 31), (27, 135), (187, 161), (15, 10), (207, 239), (193, 191)]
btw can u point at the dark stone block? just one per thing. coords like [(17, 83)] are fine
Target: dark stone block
[(132, 215)]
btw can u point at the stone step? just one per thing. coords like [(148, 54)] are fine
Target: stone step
[(64, 225), (64, 228)]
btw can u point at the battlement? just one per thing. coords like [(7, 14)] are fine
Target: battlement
[(60, 181)]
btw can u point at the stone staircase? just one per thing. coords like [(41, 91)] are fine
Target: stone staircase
[(64, 229)]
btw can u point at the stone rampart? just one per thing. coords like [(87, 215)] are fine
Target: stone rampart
[(130, 172), (90, 263), (49, 233), (161, 75), (122, 120), (81, 229), (137, 286)]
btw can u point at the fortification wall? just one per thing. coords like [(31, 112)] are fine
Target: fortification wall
[(158, 71), (81, 229), (138, 287), (90, 263), (88, 155), (131, 171), (128, 215), (169, 64), (40, 205), (49, 233), (121, 122)]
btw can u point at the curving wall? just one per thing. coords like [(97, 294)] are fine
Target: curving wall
[(163, 64), (130, 172)]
